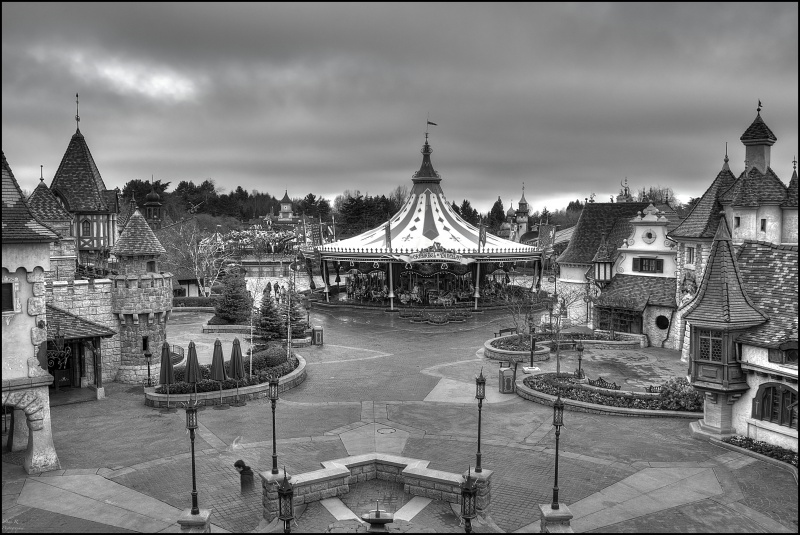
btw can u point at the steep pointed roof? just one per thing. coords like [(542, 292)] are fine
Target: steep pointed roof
[(757, 132), (722, 303), (791, 192), (137, 239), (45, 206), (703, 220), (286, 197), (19, 224), (77, 179), (754, 188), (424, 220)]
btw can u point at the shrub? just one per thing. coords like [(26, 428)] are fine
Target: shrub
[(677, 394), (195, 301), (776, 452), (236, 303)]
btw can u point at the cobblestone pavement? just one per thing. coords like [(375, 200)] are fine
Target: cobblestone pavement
[(377, 369)]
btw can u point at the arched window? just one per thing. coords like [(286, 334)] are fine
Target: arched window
[(86, 228), (776, 403)]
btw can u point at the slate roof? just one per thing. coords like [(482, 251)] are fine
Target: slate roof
[(72, 326), (77, 179), (703, 220), (612, 218), (722, 301), (137, 238), (769, 272), (754, 189), (126, 211), (791, 192), (638, 292), (19, 224), (758, 131), (286, 197), (45, 206)]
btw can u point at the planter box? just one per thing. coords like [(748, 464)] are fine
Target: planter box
[(287, 382), (541, 354)]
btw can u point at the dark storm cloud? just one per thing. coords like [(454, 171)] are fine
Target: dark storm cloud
[(569, 98)]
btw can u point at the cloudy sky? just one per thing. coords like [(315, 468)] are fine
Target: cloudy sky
[(568, 98)]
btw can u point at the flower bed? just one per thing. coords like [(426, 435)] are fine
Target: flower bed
[(675, 395), (775, 452)]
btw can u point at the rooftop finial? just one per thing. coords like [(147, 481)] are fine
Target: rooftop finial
[(41, 173), (77, 116), (759, 107), (726, 152)]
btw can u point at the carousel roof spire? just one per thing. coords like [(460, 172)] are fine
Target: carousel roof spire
[(426, 172)]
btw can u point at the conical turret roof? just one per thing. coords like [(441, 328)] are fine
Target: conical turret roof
[(45, 205), (77, 179), (722, 302), (758, 131), (20, 225), (703, 220), (286, 197), (137, 239)]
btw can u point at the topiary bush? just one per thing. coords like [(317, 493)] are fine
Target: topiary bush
[(195, 301)]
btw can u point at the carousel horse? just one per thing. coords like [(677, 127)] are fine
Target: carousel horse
[(445, 299), (377, 295)]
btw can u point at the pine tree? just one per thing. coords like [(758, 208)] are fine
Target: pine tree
[(236, 301), (496, 216), (270, 325), (298, 315)]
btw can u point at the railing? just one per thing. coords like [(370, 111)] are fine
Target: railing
[(175, 352)]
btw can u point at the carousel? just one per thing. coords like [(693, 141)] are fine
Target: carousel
[(424, 255)]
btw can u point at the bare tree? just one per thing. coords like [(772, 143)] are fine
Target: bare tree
[(189, 251)]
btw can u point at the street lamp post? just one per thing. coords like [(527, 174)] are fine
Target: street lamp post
[(148, 357), (480, 394), (533, 343), (469, 490), (579, 348), (286, 503), (558, 421), (191, 425), (273, 397)]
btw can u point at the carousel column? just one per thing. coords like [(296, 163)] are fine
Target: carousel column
[(325, 277), (391, 287), (477, 285)]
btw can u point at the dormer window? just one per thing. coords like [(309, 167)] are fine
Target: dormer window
[(86, 228), (648, 265)]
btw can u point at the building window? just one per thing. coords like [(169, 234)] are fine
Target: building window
[(145, 342), (737, 222), (151, 266), (8, 297), (662, 322), (619, 320), (86, 228), (709, 345), (690, 255), (763, 225), (776, 403), (648, 265), (786, 353)]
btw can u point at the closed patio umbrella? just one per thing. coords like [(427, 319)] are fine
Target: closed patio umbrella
[(167, 373), (237, 368), (218, 371), (193, 375)]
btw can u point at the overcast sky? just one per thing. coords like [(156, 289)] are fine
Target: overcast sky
[(568, 98)]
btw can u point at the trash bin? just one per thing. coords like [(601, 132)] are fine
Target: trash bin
[(506, 381), (316, 335)]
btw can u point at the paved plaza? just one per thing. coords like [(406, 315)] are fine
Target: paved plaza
[(380, 383)]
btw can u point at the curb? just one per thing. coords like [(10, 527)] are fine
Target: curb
[(755, 455), (581, 406)]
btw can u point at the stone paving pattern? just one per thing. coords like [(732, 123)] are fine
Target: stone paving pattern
[(417, 380)]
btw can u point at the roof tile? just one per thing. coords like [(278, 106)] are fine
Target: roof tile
[(137, 238), (45, 205), (77, 179)]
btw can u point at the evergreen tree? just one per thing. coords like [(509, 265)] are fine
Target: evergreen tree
[(270, 324), (496, 216), (298, 315), (236, 302)]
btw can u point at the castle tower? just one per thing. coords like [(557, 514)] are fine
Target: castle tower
[(152, 208), (286, 207), (141, 298), (523, 212)]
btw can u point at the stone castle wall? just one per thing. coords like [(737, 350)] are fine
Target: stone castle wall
[(90, 300)]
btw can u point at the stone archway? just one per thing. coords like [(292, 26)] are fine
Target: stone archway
[(31, 405)]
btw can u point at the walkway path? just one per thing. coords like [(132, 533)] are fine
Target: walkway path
[(382, 384)]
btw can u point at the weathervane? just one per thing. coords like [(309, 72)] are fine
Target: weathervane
[(77, 116), (759, 106), (41, 173)]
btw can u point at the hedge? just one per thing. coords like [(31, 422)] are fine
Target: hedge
[(195, 301)]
